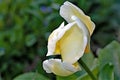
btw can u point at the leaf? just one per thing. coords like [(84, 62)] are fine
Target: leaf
[(71, 77), (86, 76), (107, 72), (31, 76), (92, 63), (111, 54), (89, 59)]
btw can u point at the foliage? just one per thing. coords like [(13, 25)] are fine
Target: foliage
[(26, 24), (111, 54), (31, 76), (106, 67)]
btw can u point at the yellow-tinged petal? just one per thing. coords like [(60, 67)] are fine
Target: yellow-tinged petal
[(85, 30), (52, 40), (60, 68), (67, 10), (56, 35), (73, 44)]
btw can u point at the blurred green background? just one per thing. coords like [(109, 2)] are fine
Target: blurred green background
[(26, 24)]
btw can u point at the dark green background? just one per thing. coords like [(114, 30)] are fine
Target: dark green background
[(26, 24)]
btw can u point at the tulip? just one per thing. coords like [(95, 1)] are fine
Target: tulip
[(70, 41)]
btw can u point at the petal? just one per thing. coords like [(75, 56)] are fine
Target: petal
[(85, 30), (59, 68), (67, 10), (53, 38), (73, 44), (53, 47)]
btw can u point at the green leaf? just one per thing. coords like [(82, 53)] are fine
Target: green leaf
[(107, 72), (111, 54), (86, 76), (89, 59), (71, 77), (31, 76), (92, 64)]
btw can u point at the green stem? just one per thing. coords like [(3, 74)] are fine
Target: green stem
[(87, 69)]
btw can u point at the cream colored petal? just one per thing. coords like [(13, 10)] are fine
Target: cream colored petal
[(67, 10), (85, 30), (81, 25), (73, 44), (52, 40), (55, 36), (59, 68)]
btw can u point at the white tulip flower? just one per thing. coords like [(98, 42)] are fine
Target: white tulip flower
[(70, 41)]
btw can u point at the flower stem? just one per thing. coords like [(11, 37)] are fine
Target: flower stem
[(87, 69)]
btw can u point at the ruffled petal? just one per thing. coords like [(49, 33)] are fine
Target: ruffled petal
[(67, 10), (60, 68), (52, 40), (53, 45)]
